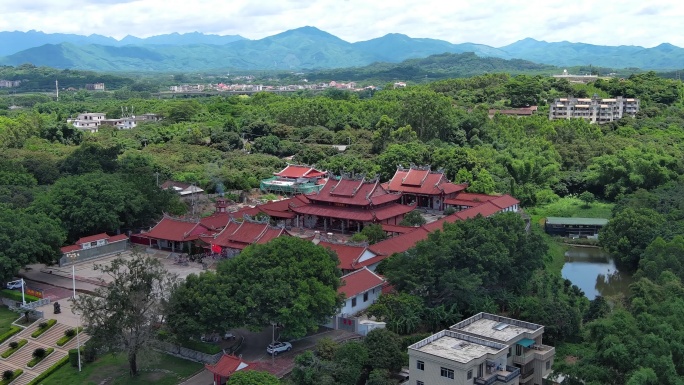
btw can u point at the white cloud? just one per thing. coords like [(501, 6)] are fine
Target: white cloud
[(496, 22)]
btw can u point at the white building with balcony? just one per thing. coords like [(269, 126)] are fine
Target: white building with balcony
[(484, 349), (595, 109)]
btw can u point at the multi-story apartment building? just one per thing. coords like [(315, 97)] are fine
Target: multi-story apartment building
[(484, 349), (595, 109)]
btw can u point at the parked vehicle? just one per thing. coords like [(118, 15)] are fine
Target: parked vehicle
[(14, 284), (229, 336), (278, 347)]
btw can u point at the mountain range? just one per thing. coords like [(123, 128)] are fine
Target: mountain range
[(299, 49)]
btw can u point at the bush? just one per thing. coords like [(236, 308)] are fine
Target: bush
[(39, 353), (8, 376), (69, 334), (89, 352), (48, 372), (449, 210), (73, 357), (43, 327), (13, 347), (201, 347), (12, 331)]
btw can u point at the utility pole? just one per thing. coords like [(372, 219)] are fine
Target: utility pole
[(57, 89)]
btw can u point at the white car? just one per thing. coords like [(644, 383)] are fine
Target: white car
[(14, 285), (278, 347)]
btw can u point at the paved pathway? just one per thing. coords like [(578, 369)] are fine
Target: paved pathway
[(21, 357)]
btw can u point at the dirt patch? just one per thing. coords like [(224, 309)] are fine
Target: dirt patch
[(571, 360)]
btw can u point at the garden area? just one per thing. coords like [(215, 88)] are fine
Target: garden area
[(157, 368)]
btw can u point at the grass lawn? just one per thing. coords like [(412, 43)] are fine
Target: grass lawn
[(6, 318), (571, 207), (160, 369)]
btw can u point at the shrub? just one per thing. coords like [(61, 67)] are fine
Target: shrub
[(13, 347), (73, 357), (89, 352), (449, 210), (7, 375), (39, 353), (69, 333), (43, 327)]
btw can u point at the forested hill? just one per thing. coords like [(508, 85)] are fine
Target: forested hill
[(447, 65), (303, 48)]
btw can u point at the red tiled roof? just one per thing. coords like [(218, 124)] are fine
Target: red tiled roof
[(475, 197), (359, 281), (228, 365), (169, 183), (92, 238), (271, 233), (369, 261), (391, 211), (504, 201), (251, 211), (248, 232), (70, 248), (294, 171), (417, 181), (118, 238), (347, 254), (461, 202), (172, 229), (486, 209), (355, 192), (397, 228), (216, 221), (279, 209), (336, 212), (400, 243)]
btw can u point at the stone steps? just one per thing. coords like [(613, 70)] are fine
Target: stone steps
[(51, 336), (24, 379)]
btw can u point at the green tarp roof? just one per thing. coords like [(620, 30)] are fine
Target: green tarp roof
[(526, 342), (576, 221)]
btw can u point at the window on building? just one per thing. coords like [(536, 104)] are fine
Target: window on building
[(365, 297), (93, 244), (354, 302), (509, 352), (420, 365), (448, 373), (548, 364), (470, 374), (418, 382)]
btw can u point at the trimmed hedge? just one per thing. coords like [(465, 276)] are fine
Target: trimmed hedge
[(64, 339), (73, 356), (6, 335), (16, 295), (50, 370), (50, 323), (11, 351), (17, 373), (35, 361)]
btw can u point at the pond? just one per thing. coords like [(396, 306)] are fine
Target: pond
[(594, 271)]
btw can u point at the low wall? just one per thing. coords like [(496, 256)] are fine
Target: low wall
[(95, 252), (188, 354)]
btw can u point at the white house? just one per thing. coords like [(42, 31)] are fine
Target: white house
[(361, 288)]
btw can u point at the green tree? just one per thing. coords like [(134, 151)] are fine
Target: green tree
[(629, 232), (384, 350), (380, 377), (348, 361), (373, 233), (588, 198), (253, 377), (413, 218), (123, 316), (289, 281), (402, 312)]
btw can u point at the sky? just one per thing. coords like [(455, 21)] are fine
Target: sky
[(494, 22)]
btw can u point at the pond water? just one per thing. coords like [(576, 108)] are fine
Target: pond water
[(594, 271)]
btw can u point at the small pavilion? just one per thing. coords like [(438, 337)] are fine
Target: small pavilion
[(226, 366)]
